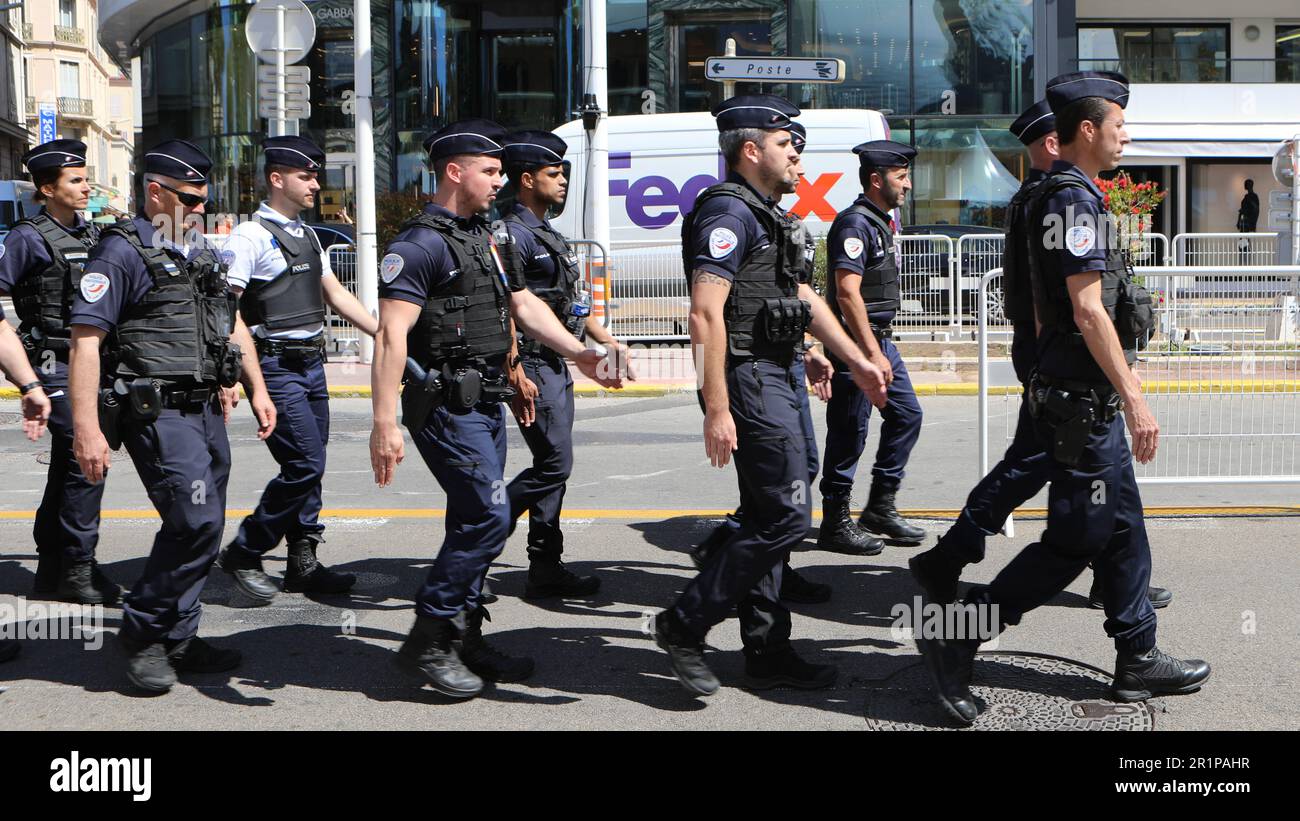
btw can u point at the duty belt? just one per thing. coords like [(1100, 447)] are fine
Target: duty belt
[(187, 399), (1102, 389), (882, 331), (292, 348)]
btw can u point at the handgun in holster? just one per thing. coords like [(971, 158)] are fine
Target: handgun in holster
[(1068, 417), (422, 391)]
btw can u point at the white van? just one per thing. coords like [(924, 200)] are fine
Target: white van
[(658, 165), (17, 202)]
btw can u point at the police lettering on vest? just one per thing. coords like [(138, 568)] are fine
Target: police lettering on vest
[(43, 299), (294, 297), (763, 312)]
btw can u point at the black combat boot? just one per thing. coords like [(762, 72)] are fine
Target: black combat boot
[(194, 655), (950, 663), (838, 534), (1139, 676), (247, 572), (147, 665), (485, 660), (795, 588), (552, 578), (685, 654), (881, 517), (307, 575), (428, 654), (82, 582), (937, 571), (1158, 596), (786, 669)]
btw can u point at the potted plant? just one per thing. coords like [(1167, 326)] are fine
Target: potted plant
[(1131, 205)]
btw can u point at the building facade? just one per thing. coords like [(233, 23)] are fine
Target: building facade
[(13, 131), (67, 70)]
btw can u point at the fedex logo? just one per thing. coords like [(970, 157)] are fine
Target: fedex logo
[(654, 201)]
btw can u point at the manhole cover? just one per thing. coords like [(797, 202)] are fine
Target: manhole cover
[(1016, 691)]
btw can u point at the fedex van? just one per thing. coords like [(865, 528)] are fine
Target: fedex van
[(658, 165)]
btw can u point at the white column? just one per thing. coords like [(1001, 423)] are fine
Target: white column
[(367, 252)]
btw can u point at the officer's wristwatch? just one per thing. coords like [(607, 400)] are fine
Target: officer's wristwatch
[(26, 389)]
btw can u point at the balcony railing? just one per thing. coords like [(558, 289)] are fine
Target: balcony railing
[(69, 34), (1210, 70), (76, 107)]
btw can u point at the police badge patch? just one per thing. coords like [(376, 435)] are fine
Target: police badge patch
[(1080, 240), (390, 267), (93, 287), (853, 247), (722, 241)]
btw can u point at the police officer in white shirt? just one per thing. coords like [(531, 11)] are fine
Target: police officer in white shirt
[(282, 274)]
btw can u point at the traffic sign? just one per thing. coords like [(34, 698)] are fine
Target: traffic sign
[(48, 111), (299, 29), (1279, 199), (775, 69), (300, 75), (292, 91), (294, 109), (1283, 163)]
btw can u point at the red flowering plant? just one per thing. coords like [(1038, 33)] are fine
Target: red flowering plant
[(1131, 204)]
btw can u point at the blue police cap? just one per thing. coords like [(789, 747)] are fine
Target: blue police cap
[(798, 136), (56, 154), (1037, 121), (466, 137), (884, 154), (293, 152), (1065, 89), (533, 149), (764, 111), (179, 160)]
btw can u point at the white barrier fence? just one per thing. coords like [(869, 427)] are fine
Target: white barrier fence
[(1221, 374)]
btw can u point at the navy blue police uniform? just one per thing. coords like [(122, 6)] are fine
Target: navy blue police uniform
[(168, 315), (794, 587), (738, 234), (278, 263), (861, 241), (1094, 506), (41, 261), (461, 276), (551, 272)]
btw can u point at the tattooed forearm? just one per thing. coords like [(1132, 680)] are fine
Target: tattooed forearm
[(704, 277)]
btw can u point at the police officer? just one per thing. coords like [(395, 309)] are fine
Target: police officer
[(808, 363), (748, 311), (1023, 470), (154, 298), (40, 263), (283, 279), (863, 291), (1093, 320), (534, 162), (449, 289)]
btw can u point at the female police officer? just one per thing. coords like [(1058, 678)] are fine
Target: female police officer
[(40, 265)]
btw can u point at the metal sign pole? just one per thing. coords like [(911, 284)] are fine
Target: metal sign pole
[(277, 125), (729, 86), (367, 239)]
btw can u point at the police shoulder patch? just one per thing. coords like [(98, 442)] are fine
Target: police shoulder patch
[(722, 241), (1080, 239), (853, 247), (93, 286), (391, 266), (2, 250)]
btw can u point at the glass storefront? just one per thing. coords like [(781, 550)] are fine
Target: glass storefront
[(1164, 53)]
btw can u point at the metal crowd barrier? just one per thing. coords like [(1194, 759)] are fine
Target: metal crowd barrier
[(926, 280), (1234, 249), (342, 336), (1221, 374)]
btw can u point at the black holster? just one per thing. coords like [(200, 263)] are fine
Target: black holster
[(422, 391), (232, 366), (1068, 417), (110, 417)]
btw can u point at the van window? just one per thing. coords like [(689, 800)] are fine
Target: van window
[(8, 215)]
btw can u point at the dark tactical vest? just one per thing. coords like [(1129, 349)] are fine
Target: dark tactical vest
[(43, 299), (763, 312), (467, 320), (559, 294), (1127, 303), (179, 333), (1017, 290), (295, 297), (879, 287)]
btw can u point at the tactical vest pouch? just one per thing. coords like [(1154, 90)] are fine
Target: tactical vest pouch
[(143, 398), (110, 417), (1134, 315), (783, 320), (232, 366)]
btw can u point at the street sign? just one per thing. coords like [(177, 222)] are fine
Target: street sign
[(1283, 168), (294, 109), (300, 75), (1279, 199), (292, 91), (775, 69), (1278, 219), (47, 129), (299, 29)]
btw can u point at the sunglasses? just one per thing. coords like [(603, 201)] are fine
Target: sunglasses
[(187, 199)]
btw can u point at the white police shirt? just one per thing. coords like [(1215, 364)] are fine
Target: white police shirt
[(252, 253)]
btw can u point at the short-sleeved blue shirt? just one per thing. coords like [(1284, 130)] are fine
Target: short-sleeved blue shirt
[(418, 262), (1073, 234), (116, 276), (724, 232), (854, 243)]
